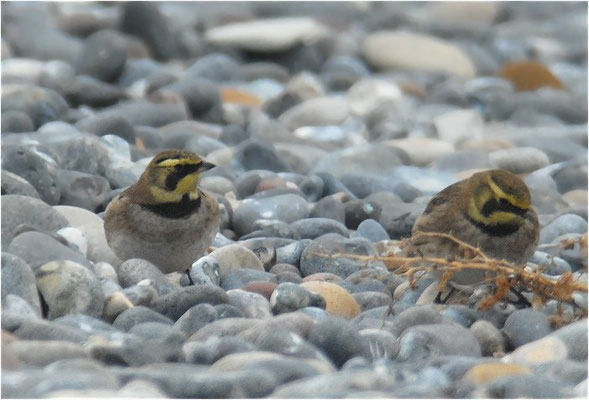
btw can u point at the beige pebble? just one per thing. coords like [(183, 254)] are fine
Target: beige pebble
[(339, 302)]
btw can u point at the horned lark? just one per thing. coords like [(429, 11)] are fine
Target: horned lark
[(164, 218), (490, 210)]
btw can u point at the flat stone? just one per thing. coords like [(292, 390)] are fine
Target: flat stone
[(338, 301), (484, 373), (416, 52), (267, 35)]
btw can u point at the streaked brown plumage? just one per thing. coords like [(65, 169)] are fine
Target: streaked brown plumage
[(490, 210), (164, 218)]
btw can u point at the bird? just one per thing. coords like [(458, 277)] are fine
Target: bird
[(492, 210), (164, 218)]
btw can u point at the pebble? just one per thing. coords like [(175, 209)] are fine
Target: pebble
[(328, 253), (291, 253), (67, 287), (490, 338), (416, 51), (235, 256), (237, 279), (546, 349), (137, 315), (215, 348), (135, 270), (312, 228), (372, 230), (195, 318), (574, 336), (174, 304), (285, 207), (288, 297), (567, 223), (524, 326), (482, 374), (422, 151), (423, 341), (519, 160), (18, 279), (267, 35), (338, 339), (36, 168), (38, 249), (319, 111), (372, 299), (15, 185), (252, 305), (329, 207), (338, 301)]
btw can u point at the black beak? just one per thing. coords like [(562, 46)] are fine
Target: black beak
[(205, 166)]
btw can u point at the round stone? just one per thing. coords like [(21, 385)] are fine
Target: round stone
[(338, 301)]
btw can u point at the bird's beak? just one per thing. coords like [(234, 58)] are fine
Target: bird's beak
[(205, 166)]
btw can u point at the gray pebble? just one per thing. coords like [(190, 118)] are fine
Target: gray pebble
[(287, 208), (238, 278), (329, 207), (252, 305), (288, 297), (18, 279), (14, 184), (49, 330), (567, 223), (424, 341), (158, 331), (525, 326), (380, 343), (574, 336), (137, 315), (195, 318), (205, 271), (291, 254), (519, 160), (311, 228), (214, 348), (338, 339), (135, 270), (371, 299), (175, 304), (371, 230)]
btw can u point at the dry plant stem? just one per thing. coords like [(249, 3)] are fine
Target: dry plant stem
[(504, 273)]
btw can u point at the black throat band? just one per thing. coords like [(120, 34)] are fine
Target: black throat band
[(181, 209)]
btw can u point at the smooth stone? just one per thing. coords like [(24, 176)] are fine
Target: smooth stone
[(36, 168), (490, 338), (112, 124), (265, 288), (286, 207), (206, 270), (328, 253), (529, 386), (16, 121), (546, 349), (103, 56), (253, 155), (371, 159), (145, 21), (320, 111), (423, 341), (114, 305), (252, 305), (461, 314), (483, 374), (141, 293), (291, 253), (549, 264), (216, 348), (16, 311), (358, 211), (37, 249), (137, 315), (338, 301), (372, 299), (312, 228), (134, 270), (567, 223), (416, 52), (457, 125), (82, 190), (238, 278), (519, 160), (201, 97), (130, 351), (230, 326), (74, 239), (524, 326), (571, 372), (574, 336), (147, 114), (82, 152), (40, 104), (35, 353), (369, 93), (289, 297), (92, 227), (328, 207), (67, 287), (338, 339), (371, 230), (175, 304), (235, 256), (33, 329), (195, 318), (18, 279), (570, 178), (217, 67), (158, 331), (13, 184), (413, 316), (421, 151), (267, 35)]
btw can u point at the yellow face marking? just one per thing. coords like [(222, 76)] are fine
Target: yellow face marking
[(164, 196), (174, 161), (497, 218), (516, 201), (187, 184)]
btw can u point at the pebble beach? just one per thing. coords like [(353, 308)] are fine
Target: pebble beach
[(331, 125)]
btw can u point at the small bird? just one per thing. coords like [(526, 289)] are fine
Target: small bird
[(164, 218), (490, 210)]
